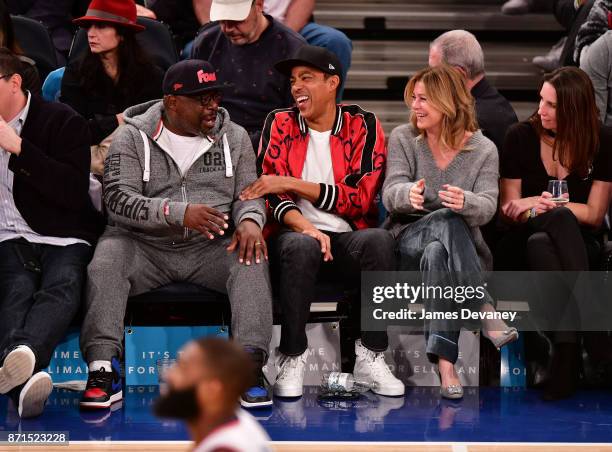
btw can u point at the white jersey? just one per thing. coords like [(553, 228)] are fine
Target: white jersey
[(244, 434)]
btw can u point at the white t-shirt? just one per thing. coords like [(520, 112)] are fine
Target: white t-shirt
[(183, 150), (242, 435), (277, 8), (318, 168)]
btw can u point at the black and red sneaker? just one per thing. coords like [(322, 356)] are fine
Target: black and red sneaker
[(104, 387)]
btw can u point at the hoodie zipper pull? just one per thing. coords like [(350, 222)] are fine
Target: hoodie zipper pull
[(184, 194)]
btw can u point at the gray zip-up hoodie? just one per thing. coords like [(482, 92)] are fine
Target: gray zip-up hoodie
[(140, 183)]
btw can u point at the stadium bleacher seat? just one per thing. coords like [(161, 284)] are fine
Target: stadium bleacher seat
[(33, 37), (426, 15)]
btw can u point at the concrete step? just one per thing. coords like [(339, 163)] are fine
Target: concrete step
[(394, 113), (421, 15), (382, 65)]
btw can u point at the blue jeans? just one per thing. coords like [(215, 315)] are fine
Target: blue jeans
[(40, 293), (333, 40), (441, 246)]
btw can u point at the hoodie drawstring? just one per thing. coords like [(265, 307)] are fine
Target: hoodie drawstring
[(229, 172), (146, 175)]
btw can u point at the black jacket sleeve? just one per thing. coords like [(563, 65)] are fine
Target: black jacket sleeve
[(65, 165)]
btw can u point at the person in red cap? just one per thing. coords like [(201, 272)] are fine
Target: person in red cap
[(114, 74)]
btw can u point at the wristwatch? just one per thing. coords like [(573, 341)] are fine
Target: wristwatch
[(532, 213)]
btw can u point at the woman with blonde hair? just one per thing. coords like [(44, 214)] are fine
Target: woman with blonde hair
[(441, 185)]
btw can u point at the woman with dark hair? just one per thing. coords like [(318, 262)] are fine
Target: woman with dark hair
[(29, 73), (114, 74), (441, 185), (563, 141)]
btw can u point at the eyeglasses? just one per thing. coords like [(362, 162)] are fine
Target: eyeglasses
[(6, 76), (207, 99)]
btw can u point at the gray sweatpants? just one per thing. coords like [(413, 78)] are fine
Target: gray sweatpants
[(124, 266)]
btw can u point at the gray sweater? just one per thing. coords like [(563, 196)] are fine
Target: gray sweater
[(137, 205), (475, 169), (597, 63)]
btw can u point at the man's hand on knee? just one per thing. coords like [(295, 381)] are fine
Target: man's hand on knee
[(206, 220), (323, 240), (249, 240)]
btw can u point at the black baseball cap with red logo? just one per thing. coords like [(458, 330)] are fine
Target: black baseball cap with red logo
[(191, 77)]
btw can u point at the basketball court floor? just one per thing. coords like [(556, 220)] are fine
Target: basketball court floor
[(487, 419)]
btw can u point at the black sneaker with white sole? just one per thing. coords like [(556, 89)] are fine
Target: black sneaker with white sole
[(259, 395), (34, 394), (17, 368), (104, 387)]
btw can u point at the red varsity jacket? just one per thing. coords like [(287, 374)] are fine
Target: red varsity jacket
[(358, 155)]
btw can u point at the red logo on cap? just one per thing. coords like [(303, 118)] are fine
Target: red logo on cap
[(177, 86), (205, 77)]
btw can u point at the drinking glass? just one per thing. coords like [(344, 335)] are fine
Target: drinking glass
[(558, 190)]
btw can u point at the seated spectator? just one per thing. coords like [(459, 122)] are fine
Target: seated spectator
[(114, 74), (563, 140), (56, 15), (29, 74), (204, 387), (324, 206), (47, 229), (441, 185), (243, 44), (180, 16), (596, 24), (460, 49), (598, 66), (298, 15), (571, 15), (172, 180)]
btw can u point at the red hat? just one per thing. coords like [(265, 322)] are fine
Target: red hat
[(117, 12)]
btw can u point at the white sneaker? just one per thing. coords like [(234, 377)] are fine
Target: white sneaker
[(34, 395), (17, 368), (290, 378), (371, 366)]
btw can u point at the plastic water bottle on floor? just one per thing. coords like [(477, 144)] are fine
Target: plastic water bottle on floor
[(345, 382)]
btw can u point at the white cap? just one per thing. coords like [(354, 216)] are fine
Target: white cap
[(237, 10)]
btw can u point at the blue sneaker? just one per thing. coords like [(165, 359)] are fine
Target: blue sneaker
[(104, 387), (259, 395)]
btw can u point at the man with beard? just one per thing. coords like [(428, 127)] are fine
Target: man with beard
[(172, 179), (203, 387)]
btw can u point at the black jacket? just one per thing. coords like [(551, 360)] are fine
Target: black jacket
[(51, 174), (493, 112), (101, 107)]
